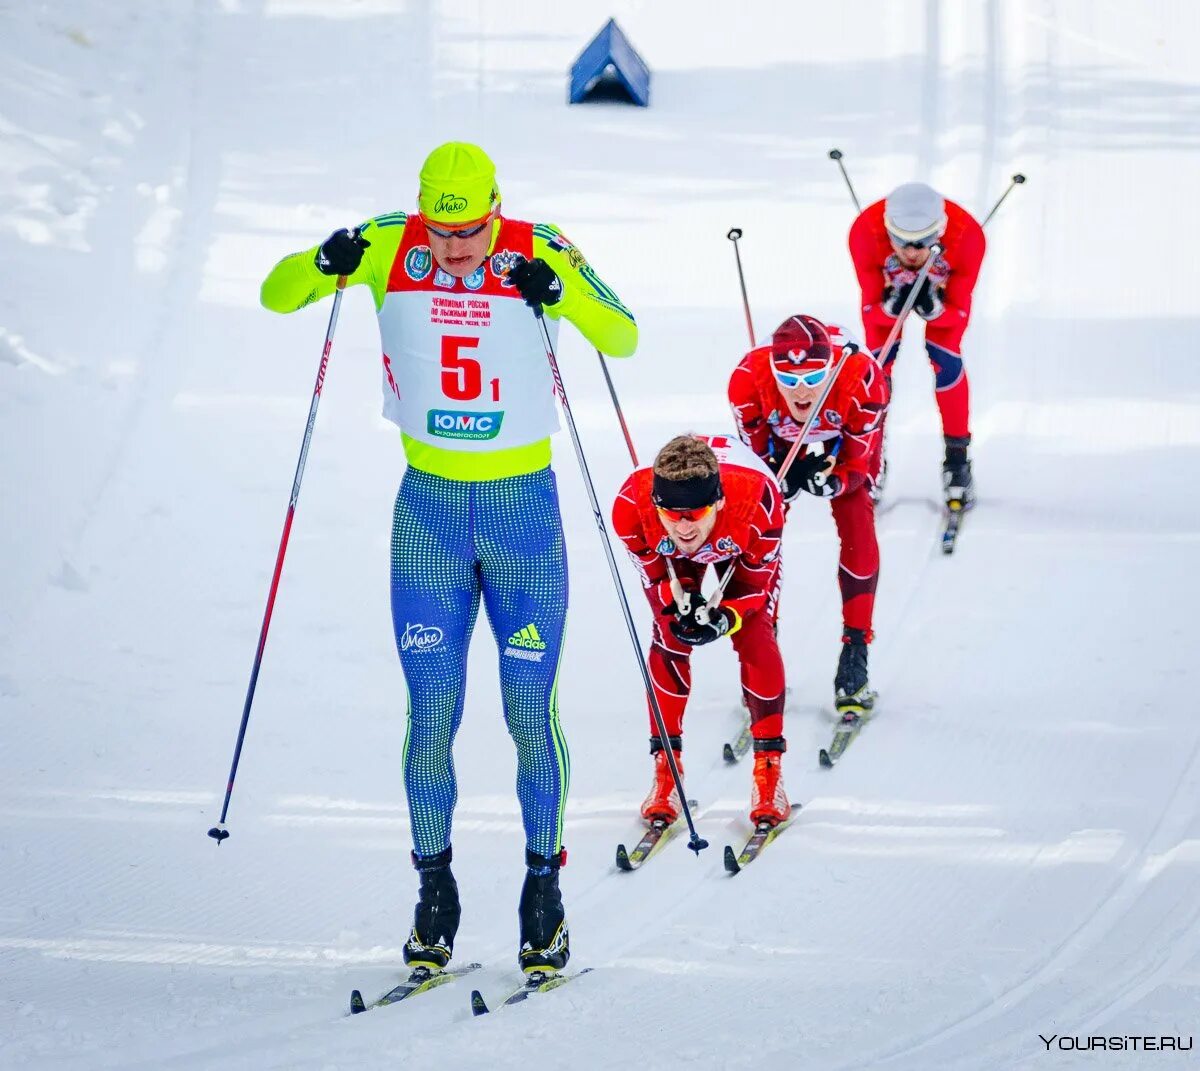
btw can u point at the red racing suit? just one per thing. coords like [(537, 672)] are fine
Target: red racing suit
[(851, 422), (746, 539), (953, 274)]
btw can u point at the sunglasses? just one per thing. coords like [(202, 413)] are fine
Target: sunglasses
[(906, 243), (457, 232), (677, 515), (800, 379)]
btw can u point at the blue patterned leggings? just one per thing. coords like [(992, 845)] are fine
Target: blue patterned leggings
[(452, 542)]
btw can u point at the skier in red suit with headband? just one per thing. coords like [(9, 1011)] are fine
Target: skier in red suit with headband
[(708, 501)]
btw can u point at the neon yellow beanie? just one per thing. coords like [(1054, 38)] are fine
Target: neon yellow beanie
[(458, 184)]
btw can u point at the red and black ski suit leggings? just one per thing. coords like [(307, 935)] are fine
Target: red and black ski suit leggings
[(757, 650)]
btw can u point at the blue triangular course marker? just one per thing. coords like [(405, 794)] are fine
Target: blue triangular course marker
[(610, 69)]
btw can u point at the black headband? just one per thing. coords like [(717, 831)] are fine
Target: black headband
[(692, 493)]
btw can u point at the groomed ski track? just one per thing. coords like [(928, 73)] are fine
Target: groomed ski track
[(1012, 845)]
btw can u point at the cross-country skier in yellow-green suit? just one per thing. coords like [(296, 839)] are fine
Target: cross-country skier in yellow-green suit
[(465, 376)]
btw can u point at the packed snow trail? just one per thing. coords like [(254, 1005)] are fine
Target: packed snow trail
[(1009, 849)]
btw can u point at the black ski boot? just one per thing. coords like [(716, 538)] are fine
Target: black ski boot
[(852, 693), (545, 943), (435, 920), (956, 472)]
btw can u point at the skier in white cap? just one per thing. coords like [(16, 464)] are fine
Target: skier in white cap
[(890, 243)]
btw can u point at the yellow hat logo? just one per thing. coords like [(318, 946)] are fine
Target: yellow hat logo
[(449, 204)]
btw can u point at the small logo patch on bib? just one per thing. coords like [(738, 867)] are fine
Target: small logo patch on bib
[(455, 424)]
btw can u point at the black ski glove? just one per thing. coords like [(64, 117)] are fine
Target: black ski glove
[(928, 304), (689, 630), (823, 486), (536, 282), (894, 298), (341, 253), (801, 472)]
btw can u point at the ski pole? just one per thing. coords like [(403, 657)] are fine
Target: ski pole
[(682, 601), (734, 234), (219, 832), (695, 842), (1017, 180), (836, 156), (612, 393), (934, 252)]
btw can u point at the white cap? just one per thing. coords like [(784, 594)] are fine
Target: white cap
[(914, 211)]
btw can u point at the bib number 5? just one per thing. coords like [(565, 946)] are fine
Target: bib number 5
[(462, 377)]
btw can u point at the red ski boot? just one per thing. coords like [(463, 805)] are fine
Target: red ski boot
[(768, 800), (663, 800)]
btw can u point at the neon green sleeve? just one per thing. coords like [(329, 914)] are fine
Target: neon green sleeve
[(296, 281), (587, 302)]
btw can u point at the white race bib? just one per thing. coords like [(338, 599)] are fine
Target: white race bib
[(466, 372)]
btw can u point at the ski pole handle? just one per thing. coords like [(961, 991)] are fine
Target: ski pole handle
[(836, 156), (735, 233), (1017, 180), (819, 478)]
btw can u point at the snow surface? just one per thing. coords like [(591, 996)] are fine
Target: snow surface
[(1011, 849)]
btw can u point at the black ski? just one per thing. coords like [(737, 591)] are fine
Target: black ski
[(421, 980), (653, 840), (955, 509), (535, 982), (844, 735), (744, 741), (763, 834), (741, 743)]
